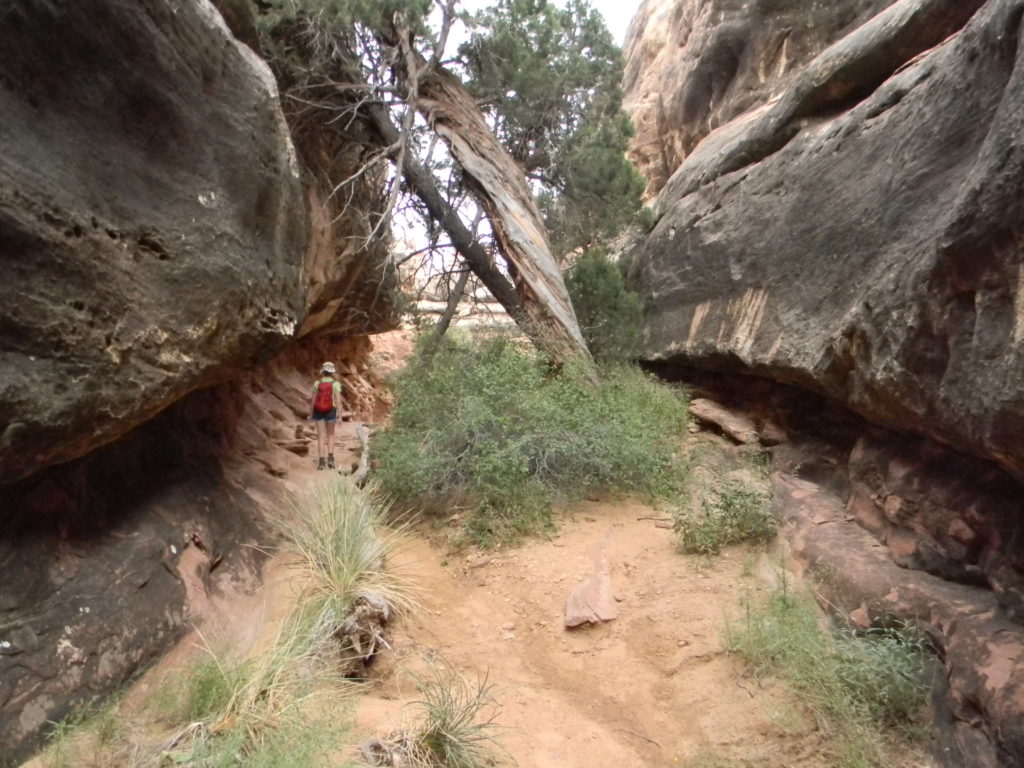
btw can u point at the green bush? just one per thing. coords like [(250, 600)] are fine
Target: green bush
[(487, 427), (856, 684), (610, 315), (733, 513)]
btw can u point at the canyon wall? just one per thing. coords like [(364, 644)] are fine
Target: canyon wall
[(161, 236), (840, 199)]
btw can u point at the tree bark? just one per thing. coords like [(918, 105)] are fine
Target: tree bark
[(500, 187), (423, 185)]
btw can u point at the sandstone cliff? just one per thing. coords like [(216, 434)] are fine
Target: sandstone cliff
[(840, 210), (693, 66), (160, 235)]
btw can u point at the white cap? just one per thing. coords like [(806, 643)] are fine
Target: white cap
[(327, 367)]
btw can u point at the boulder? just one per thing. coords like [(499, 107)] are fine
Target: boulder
[(108, 559), (860, 235), (159, 234), (736, 425), (152, 219)]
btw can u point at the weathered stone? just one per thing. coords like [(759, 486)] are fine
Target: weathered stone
[(694, 65), (155, 238), (592, 601), (107, 559), (864, 241), (978, 717), (151, 218), (735, 425)]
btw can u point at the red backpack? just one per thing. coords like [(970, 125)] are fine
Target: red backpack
[(324, 396)]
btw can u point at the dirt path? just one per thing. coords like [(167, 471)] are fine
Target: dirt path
[(652, 688)]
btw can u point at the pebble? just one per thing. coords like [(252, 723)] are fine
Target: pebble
[(508, 626)]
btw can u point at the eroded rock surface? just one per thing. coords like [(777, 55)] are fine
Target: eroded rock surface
[(693, 65), (860, 235), (160, 236), (107, 559), (152, 219), (896, 525), (979, 721)]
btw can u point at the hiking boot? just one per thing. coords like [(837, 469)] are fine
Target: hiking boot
[(330, 461), (321, 465)]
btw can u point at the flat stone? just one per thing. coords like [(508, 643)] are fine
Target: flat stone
[(735, 425), (592, 602)]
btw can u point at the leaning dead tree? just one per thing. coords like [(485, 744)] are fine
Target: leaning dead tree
[(372, 73), (533, 294), (500, 188)]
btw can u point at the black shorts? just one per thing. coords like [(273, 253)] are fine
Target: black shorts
[(329, 416)]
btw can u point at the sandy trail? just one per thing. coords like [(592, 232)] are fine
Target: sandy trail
[(652, 688)]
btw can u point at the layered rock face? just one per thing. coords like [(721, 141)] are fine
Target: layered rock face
[(863, 242), (693, 66), (850, 223), (159, 236), (151, 218)]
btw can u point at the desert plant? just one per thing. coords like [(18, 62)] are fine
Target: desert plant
[(451, 726), (341, 536), (856, 684), (250, 706), (609, 314), (729, 514), (488, 427)]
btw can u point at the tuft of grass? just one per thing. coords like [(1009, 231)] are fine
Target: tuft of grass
[(732, 513), (453, 726), (860, 686), (341, 534), (486, 426), (253, 709), (89, 729), (305, 743)]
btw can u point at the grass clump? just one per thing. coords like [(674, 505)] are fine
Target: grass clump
[(341, 536), (732, 513), (453, 725), (252, 710), (486, 426), (861, 686)]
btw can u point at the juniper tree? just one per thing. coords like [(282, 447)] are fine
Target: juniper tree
[(546, 80)]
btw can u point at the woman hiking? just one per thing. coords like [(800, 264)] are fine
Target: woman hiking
[(324, 406)]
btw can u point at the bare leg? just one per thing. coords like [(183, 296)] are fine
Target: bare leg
[(330, 442), (321, 438)]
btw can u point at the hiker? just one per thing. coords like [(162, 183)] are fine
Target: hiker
[(324, 406)]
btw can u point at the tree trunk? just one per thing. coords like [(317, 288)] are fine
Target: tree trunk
[(500, 188), (424, 186), (449, 312)]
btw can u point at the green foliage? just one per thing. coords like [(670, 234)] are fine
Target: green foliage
[(339, 14), (89, 729), (305, 743), (486, 426), (209, 688), (610, 316), (857, 684), (730, 514), (549, 78), (453, 731)]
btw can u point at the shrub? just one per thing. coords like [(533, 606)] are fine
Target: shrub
[(454, 726), (856, 684), (610, 316), (487, 427), (733, 513)]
